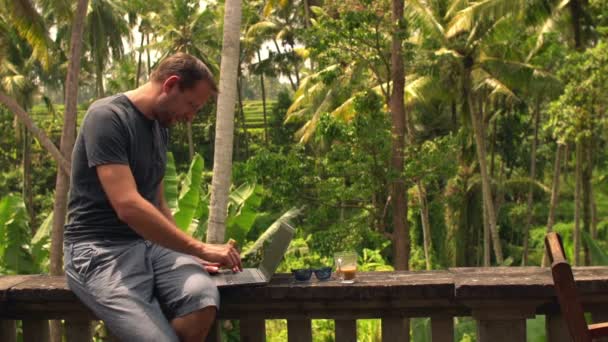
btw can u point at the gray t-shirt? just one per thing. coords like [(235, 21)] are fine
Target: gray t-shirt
[(113, 131)]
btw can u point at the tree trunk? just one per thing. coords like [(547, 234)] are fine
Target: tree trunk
[(401, 233), (293, 85), (426, 224), (149, 65), (399, 195), (594, 218), (493, 149), (68, 136), (242, 113), (524, 258), (99, 79), (263, 101), (24, 118), (141, 53), (586, 176), (554, 195), (476, 120), (28, 194), (222, 160), (577, 203), (487, 246), (575, 17)]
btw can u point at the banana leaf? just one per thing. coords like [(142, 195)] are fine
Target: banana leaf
[(190, 197), (15, 236), (598, 256), (41, 243), (269, 233), (170, 183)]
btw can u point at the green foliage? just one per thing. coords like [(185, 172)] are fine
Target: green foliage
[(190, 195), (15, 251)]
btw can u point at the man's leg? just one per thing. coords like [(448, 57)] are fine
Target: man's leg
[(186, 292), (117, 285), (195, 326)]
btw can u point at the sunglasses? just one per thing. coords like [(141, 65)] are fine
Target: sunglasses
[(304, 274)]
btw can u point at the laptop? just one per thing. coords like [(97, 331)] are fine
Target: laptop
[(272, 253)]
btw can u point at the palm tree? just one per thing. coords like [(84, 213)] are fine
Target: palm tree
[(183, 25), (222, 160), (279, 25), (68, 137), (469, 38), (105, 29)]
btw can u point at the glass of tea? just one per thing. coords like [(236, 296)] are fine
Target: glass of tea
[(346, 266)]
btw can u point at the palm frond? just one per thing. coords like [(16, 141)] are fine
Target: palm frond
[(488, 9), (484, 79), (423, 16), (550, 25), (455, 7), (261, 30), (30, 25), (269, 7)]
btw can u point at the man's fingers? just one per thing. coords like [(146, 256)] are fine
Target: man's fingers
[(212, 269)]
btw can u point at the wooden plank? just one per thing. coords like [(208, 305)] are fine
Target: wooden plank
[(35, 330), (395, 329), (215, 333), (8, 331), (7, 282), (600, 315), (299, 330), (79, 330), (253, 330), (442, 328), (556, 328), (346, 330), (512, 330)]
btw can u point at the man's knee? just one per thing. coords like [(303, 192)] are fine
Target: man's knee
[(202, 290)]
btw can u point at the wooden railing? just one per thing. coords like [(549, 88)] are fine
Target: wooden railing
[(500, 299)]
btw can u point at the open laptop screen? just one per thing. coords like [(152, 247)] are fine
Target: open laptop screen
[(275, 249)]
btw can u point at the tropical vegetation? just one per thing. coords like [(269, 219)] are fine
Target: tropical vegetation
[(423, 134)]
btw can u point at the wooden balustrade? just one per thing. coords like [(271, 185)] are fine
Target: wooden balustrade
[(500, 299)]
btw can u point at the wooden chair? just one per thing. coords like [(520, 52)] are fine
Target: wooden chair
[(565, 288)]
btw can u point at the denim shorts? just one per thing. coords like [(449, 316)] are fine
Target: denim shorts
[(138, 287)]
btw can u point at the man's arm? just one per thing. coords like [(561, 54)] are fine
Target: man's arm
[(162, 203), (150, 223)]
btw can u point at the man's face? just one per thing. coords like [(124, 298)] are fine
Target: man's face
[(176, 105)]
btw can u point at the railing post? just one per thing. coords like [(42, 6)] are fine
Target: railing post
[(346, 330), (253, 330), (501, 324), (442, 328), (556, 328), (79, 330), (599, 315), (395, 329), (299, 330), (8, 331), (35, 330), (215, 333)]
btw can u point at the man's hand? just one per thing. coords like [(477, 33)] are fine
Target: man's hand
[(224, 255), (210, 267)]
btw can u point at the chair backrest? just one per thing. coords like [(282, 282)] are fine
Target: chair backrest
[(565, 289)]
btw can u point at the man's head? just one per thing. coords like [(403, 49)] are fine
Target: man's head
[(185, 86)]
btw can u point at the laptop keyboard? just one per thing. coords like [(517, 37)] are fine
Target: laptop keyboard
[(247, 276)]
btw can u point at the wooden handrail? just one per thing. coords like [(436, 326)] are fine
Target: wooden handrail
[(499, 298)]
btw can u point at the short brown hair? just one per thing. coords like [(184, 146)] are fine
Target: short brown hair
[(189, 69)]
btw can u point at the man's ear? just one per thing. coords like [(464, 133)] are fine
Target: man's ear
[(170, 82)]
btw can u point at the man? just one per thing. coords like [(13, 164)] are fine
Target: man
[(124, 256)]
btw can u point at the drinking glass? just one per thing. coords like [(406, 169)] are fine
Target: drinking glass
[(346, 266)]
